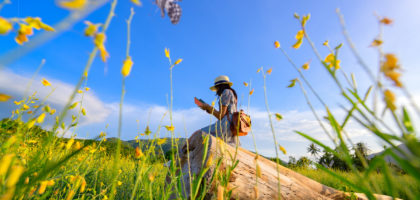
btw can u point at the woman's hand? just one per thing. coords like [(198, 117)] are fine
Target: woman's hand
[(206, 107)]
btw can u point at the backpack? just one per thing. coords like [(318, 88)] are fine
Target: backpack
[(240, 124)]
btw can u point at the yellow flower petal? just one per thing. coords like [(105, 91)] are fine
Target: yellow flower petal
[(79, 91), (73, 4), (376, 43), (73, 105), (5, 97), (42, 187), (25, 107), (297, 44), (269, 71), (278, 116), (126, 69), (41, 118), (167, 53), (45, 82), (14, 176), (178, 61), (170, 128), (305, 66), (5, 163), (5, 26), (300, 35), (277, 44), (83, 111), (325, 43), (137, 2), (246, 84), (386, 21), (251, 92), (282, 149), (52, 111), (390, 99), (91, 28), (161, 141), (87, 89)]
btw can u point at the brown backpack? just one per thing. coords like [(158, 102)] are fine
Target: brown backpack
[(240, 124)]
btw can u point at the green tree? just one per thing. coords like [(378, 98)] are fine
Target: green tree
[(313, 150)]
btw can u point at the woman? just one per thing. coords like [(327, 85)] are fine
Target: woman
[(227, 106)]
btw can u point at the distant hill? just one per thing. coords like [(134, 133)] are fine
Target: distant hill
[(390, 159)]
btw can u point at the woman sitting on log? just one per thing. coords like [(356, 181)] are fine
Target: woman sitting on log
[(227, 106)]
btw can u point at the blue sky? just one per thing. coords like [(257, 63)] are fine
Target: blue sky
[(215, 37)]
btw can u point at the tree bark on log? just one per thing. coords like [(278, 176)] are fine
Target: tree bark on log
[(243, 179)]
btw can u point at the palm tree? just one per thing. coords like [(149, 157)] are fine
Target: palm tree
[(313, 150)]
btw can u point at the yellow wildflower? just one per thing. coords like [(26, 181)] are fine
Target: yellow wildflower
[(376, 43), (251, 92), (167, 53), (297, 44), (40, 118), (119, 183), (258, 170), (389, 68), (91, 29), (161, 141), (325, 43), (70, 195), (99, 43), (87, 89), (386, 21), (278, 116), (127, 64), (147, 130), (246, 84), (332, 62), (305, 66), (300, 35), (256, 192), (389, 98), (282, 149), (178, 61), (45, 82), (151, 177), (52, 111), (17, 102), (170, 128), (138, 153), (5, 97), (220, 191), (69, 143), (25, 107), (269, 71), (5, 26), (23, 33), (37, 24), (77, 145), (42, 187), (14, 176), (74, 4), (293, 83), (80, 91), (277, 44), (83, 185), (305, 18), (5, 163), (51, 182), (83, 111), (209, 160), (137, 2), (73, 105)]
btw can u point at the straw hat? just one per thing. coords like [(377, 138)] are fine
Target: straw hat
[(220, 80)]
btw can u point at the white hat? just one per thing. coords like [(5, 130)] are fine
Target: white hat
[(220, 80)]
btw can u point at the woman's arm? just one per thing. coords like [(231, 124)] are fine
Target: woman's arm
[(218, 114)]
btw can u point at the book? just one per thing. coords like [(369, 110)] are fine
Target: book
[(199, 102)]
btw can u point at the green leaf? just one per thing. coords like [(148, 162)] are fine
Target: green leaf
[(407, 121), (293, 83), (278, 116)]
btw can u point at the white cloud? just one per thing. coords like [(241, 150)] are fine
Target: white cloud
[(17, 85)]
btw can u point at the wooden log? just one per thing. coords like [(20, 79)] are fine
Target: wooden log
[(243, 179)]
